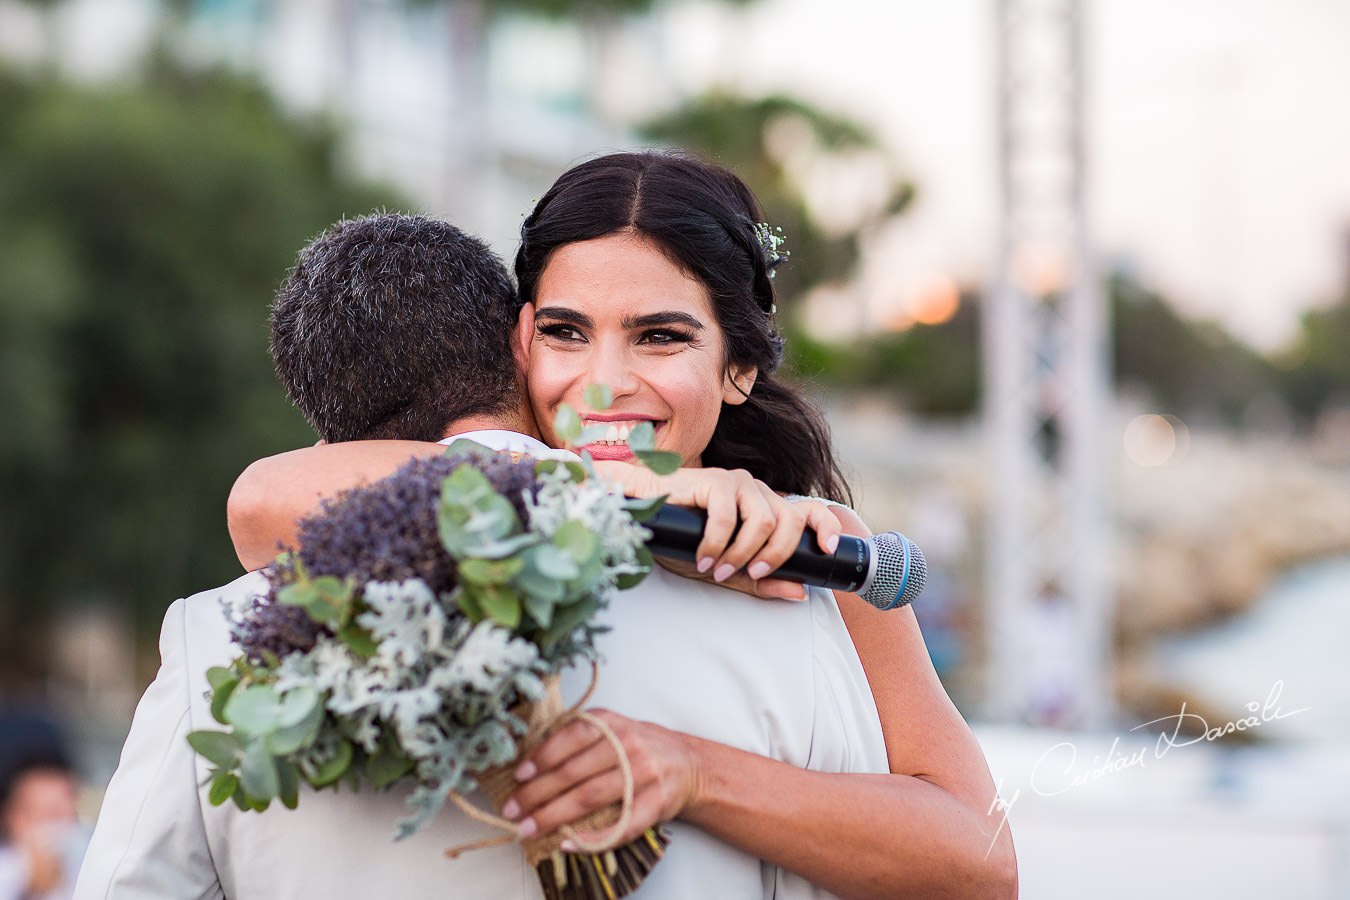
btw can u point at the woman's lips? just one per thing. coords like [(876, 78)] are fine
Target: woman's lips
[(614, 445), (620, 452)]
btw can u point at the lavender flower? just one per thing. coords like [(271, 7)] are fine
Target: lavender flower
[(387, 531)]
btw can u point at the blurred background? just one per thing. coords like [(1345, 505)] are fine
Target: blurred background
[(1071, 280)]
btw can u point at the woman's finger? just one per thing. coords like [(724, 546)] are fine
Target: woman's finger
[(720, 497), (758, 520), (561, 745), (783, 542), (821, 519), (544, 788), (578, 801)]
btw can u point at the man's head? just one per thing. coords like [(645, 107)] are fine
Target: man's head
[(394, 326)]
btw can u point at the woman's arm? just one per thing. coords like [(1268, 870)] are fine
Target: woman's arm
[(274, 493), (928, 829)]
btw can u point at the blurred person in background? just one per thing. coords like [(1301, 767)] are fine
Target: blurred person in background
[(41, 838)]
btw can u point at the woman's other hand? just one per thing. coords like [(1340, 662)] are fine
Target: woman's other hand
[(770, 527), (576, 771)]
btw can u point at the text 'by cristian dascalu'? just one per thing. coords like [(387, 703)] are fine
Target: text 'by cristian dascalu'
[(1058, 770)]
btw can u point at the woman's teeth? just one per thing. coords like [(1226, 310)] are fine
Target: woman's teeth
[(616, 433)]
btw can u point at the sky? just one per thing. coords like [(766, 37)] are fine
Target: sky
[(1218, 145)]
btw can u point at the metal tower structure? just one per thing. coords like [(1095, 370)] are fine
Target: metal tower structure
[(1049, 652)]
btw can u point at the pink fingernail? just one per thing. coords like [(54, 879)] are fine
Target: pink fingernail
[(724, 571), (758, 570), (526, 770), (832, 543), (511, 809), (528, 828), (568, 846), (705, 564)]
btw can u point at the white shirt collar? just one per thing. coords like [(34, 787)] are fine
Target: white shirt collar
[(501, 439)]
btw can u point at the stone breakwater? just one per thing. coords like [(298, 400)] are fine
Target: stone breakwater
[(1205, 536), (1194, 540)]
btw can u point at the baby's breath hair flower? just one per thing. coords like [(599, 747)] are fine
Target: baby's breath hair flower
[(772, 241)]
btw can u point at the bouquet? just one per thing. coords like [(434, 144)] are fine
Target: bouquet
[(418, 632)]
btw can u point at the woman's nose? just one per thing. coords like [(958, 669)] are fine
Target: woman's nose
[(612, 367)]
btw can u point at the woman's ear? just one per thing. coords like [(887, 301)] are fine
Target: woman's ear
[(736, 384), (520, 343)]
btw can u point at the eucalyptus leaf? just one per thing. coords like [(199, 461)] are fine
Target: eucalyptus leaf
[(662, 462), (466, 447), (643, 509), (333, 588), (323, 610), (288, 788), (294, 736), (578, 541), (256, 709), (501, 606), (630, 580), (219, 747), (333, 768), (567, 424), (597, 396), (574, 469), (532, 582), (591, 434), (299, 593), (468, 604), (220, 695), (387, 766), (484, 571), (285, 741), (218, 675), (501, 548), (566, 619), (554, 562), (358, 640), (297, 705), (539, 609), (642, 437), (223, 786), (258, 772)]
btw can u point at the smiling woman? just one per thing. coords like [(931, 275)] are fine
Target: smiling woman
[(646, 273), (616, 311)]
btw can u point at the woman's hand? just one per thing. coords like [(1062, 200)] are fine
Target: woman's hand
[(770, 527), (576, 771)]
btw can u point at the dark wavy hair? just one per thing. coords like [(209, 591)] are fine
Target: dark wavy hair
[(703, 218), (395, 326)]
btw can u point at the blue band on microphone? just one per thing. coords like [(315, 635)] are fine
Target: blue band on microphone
[(904, 581)]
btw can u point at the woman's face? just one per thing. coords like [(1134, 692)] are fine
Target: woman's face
[(615, 311)]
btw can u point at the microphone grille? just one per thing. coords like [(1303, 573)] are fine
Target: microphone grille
[(900, 571)]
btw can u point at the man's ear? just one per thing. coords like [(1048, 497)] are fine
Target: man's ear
[(736, 384), (520, 343)]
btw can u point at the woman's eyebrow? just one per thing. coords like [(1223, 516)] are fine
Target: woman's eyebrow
[(657, 319), (565, 314)]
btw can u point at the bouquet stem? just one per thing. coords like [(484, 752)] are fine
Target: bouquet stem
[(595, 873)]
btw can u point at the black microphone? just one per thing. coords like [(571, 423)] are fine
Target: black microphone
[(887, 570)]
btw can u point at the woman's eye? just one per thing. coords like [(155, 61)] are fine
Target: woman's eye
[(665, 336), (560, 331)]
